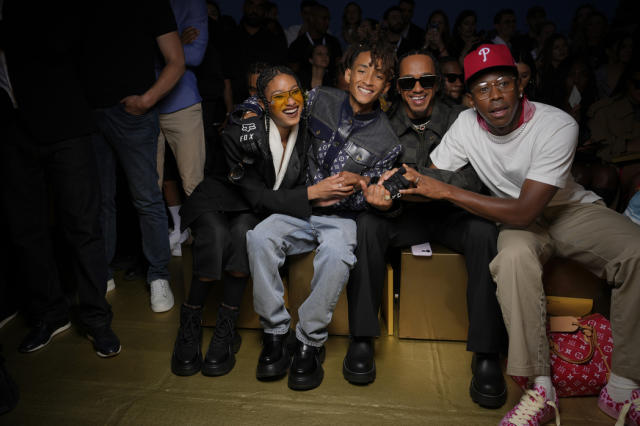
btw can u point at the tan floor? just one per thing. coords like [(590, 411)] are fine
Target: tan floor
[(419, 382)]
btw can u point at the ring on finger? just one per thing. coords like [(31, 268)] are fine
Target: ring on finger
[(387, 197), (417, 180)]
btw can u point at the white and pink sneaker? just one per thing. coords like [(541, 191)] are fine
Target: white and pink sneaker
[(627, 412), (534, 409)]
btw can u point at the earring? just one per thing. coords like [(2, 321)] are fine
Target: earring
[(474, 108), (520, 95)]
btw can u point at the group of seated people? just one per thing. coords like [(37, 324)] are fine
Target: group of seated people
[(329, 171), (462, 154)]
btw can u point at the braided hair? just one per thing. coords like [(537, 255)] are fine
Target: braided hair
[(264, 79)]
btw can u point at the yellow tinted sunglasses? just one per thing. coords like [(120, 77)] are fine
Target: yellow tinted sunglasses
[(279, 100)]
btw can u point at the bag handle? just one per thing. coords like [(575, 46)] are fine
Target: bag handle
[(590, 337)]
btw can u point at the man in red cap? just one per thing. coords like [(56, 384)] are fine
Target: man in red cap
[(523, 151)]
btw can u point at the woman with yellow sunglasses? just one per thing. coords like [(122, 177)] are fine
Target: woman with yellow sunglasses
[(263, 172)]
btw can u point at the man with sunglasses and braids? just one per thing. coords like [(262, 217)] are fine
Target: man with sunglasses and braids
[(420, 121), (523, 152), (350, 139)]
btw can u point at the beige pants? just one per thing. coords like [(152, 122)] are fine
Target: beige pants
[(184, 132), (606, 243)]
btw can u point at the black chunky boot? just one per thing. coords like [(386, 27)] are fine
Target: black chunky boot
[(187, 354), (220, 357)]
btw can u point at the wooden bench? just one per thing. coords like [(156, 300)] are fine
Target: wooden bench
[(433, 301), (297, 288)]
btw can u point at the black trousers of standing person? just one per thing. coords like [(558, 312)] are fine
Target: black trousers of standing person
[(66, 170), (439, 222)]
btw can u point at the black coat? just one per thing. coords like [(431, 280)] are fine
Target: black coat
[(253, 191)]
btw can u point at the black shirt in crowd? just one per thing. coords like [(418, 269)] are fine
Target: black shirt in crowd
[(122, 49)]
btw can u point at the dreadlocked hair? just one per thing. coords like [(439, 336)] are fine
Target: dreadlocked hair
[(264, 79), (381, 51)]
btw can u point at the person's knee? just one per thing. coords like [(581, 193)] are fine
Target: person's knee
[(336, 253), (483, 230), (513, 257), (259, 240)]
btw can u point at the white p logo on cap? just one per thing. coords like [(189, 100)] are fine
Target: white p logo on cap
[(484, 52)]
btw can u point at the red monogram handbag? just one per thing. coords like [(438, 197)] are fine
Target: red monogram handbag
[(580, 355)]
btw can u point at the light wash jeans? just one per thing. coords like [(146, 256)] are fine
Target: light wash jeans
[(268, 245)]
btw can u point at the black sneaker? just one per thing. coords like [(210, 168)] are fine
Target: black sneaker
[(225, 343), (41, 334), (306, 370), (187, 354), (105, 341)]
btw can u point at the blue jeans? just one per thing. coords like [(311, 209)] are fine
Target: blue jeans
[(133, 141), (268, 245)]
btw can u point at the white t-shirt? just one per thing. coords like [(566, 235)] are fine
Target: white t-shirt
[(541, 149)]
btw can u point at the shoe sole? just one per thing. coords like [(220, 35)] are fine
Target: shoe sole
[(274, 371), (55, 332), (301, 383), (487, 401), (161, 309), (357, 378), (222, 369), (184, 372), (101, 354)]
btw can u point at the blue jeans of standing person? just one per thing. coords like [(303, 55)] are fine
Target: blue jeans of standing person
[(132, 140), (278, 236)]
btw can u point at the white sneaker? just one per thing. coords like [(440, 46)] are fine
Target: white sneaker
[(161, 296), (111, 285)]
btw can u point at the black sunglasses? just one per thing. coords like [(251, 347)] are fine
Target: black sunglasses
[(427, 81), (451, 78)]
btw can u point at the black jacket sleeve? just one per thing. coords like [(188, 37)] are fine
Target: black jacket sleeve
[(254, 176)]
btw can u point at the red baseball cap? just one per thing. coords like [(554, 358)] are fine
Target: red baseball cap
[(487, 56)]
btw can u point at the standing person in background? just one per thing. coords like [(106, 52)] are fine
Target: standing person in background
[(351, 18), (46, 141), (316, 34), (121, 46), (213, 86), (464, 35), (181, 124), (505, 26), (392, 21), (296, 30), (411, 32), (437, 38), (536, 16), (256, 44)]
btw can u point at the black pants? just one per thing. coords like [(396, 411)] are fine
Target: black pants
[(66, 170), (439, 222), (220, 243)]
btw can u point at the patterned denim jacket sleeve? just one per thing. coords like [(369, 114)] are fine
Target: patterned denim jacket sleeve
[(356, 202)]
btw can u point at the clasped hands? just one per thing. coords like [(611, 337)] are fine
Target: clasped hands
[(417, 188)]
